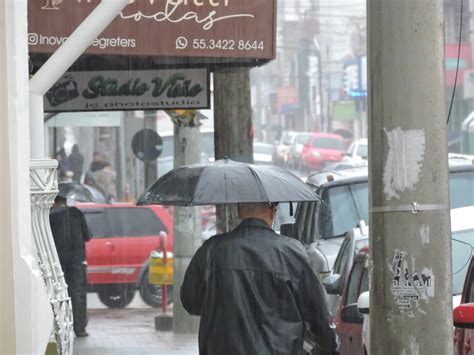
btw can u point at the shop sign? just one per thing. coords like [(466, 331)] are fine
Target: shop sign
[(182, 28), (129, 90)]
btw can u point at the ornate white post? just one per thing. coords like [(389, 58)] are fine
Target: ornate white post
[(43, 189), (43, 175)]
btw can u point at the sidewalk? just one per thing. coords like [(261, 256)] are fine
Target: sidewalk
[(131, 331)]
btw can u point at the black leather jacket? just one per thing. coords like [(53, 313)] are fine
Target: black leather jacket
[(255, 290)]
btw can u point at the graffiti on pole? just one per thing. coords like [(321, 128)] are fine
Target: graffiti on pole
[(410, 288)]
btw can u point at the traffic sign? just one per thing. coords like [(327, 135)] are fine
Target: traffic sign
[(147, 145)]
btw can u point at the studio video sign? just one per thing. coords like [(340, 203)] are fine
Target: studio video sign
[(191, 28), (129, 90)]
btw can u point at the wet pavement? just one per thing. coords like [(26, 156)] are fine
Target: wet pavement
[(130, 331)]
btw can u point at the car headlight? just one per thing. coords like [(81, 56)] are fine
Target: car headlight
[(315, 154)]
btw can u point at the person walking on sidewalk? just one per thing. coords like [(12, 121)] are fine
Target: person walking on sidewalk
[(255, 290), (70, 232)]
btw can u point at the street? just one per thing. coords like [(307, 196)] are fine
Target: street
[(129, 331)]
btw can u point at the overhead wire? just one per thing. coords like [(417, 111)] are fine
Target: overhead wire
[(457, 64)]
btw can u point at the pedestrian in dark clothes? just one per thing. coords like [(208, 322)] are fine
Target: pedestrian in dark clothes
[(255, 291), (96, 163), (70, 232), (77, 161)]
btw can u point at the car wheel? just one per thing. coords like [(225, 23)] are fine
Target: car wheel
[(116, 296), (152, 294)]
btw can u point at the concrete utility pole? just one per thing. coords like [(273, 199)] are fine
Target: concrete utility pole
[(410, 238), (187, 227), (149, 122), (233, 131)]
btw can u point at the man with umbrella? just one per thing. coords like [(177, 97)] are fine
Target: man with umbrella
[(254, 289)]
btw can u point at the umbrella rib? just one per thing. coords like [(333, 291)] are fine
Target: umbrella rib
[(261, 187)]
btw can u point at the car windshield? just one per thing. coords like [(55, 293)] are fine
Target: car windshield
[(328, 143), (462, 244), (303, 138), (342, 209), (362, 150), (263, 149), (287, 139)]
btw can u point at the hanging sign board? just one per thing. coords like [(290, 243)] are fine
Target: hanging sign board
[(189, 28), (129, 90)]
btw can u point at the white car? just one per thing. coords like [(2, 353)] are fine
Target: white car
[(462, 228), (357, 151), (262, 153)]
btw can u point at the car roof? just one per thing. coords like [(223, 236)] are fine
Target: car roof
[(327, 135), (345, 175), (113, 205), (360, 174)]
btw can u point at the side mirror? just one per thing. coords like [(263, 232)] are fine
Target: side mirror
[(463, 316), (333, 284), (318, 261), (350, 314), (363, 303), (288, 229)]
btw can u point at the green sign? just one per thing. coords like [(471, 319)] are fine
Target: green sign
[(344, 110)]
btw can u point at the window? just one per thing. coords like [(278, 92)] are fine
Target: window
[(328, 143), (96, 223), (352, 289), (342, 209), (461, 188), (461, 256), (470, 295), (362, 151), (133, 222), (302, 138), (364, 282), (338, 264)]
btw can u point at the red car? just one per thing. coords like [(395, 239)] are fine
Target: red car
[(123, 236), (463, 316), (348, 319), (321, 149)]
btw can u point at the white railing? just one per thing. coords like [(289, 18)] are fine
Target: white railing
[(43, 189)]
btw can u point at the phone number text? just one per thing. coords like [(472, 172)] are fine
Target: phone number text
[(228, 44)]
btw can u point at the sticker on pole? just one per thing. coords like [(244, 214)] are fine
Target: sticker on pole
[(410, 289)]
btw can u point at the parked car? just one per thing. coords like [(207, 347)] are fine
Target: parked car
[(334, 283), (123, 236), (352, 318), (281, 150), (294, 154), (349, 322), (344, 202), (357, 151), (262, 153), (321, 149), (463, 316)]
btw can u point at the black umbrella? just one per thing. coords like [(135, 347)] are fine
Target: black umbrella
[(226, 182), (81, 193)]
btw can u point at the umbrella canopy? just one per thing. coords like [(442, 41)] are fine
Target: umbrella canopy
[(81, 193), (225, 182)]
